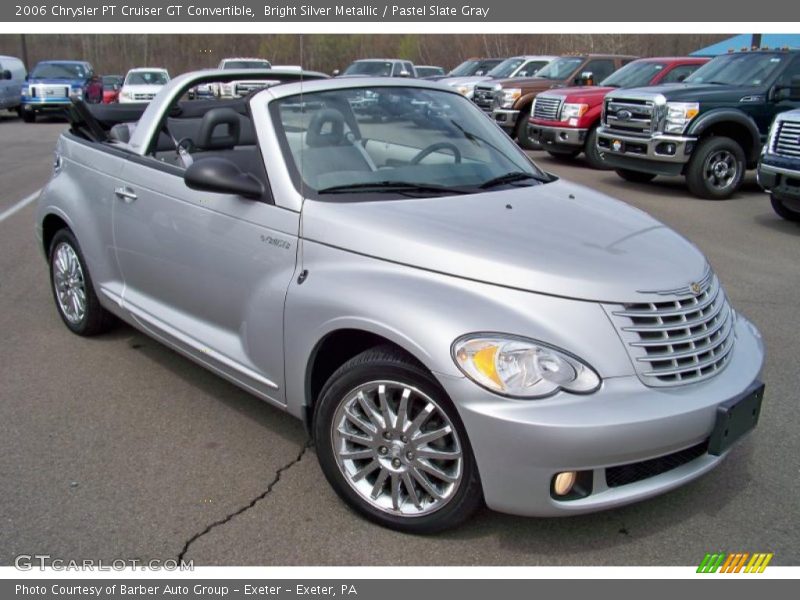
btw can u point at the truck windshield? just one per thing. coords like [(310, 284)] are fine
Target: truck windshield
[(376, 68), (147, 78), (472, 67), (506, 68), (560, 68), (59, 71), (753, 68), (395, 142), (635, 74), (246, 64)]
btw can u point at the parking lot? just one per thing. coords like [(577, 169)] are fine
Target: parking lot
[(118, 448)]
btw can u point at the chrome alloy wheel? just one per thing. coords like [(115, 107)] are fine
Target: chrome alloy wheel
[(397, 448), (721, 169), (69, 283)]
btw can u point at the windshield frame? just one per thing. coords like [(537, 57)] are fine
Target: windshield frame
[(510, 151), (720, 61)]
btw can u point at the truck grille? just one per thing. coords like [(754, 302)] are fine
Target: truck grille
[(245, 87), (630, 115), (50, 91), (787, 140), (678, 341), (484, 98), (547, 108)]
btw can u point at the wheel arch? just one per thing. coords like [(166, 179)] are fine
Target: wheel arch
[(733, 124), (52, 223)]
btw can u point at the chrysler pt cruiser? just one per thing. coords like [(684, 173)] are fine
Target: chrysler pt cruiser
[(454, 325)]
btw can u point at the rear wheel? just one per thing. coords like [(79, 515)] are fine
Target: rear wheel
[(635, 176), (73, 291), (593, 157), (716, 169), (392, 445), (784, 211)]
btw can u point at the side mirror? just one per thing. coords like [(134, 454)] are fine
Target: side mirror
[(336, 72), (793, 90), (480, 72), (7, 74), (222, 177), (585, 78)]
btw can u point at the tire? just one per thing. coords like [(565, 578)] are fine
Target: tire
[(28, 116), (781, 210), (521, 131), (635, 176), (564, 155), (389, 455), (716, 169), (70, 281), (593, 157)]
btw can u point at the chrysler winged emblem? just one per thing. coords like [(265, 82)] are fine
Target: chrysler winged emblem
[(695, 287)]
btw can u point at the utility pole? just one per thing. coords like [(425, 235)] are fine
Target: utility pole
[(756, 41), (24, 47)]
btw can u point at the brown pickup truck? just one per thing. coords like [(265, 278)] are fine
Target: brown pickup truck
[(509, 101)]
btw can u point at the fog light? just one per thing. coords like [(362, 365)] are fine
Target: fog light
[(564, 482)]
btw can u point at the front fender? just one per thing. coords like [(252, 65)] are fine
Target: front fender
[(706, 120), (423, 312)]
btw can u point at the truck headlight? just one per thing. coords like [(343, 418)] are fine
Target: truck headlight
[(770, 144), (466, 90), (77, 92), (573, 111), (25, 90), (509, 96), (679, 114), (521, 368)]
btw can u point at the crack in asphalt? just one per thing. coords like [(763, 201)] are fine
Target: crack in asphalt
[(248, 506)]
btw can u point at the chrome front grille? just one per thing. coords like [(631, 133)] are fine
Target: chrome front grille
[(630, 115), (484, 98), (787, 139), (681, 340), (547, 108), (245, 87), (50, 91)]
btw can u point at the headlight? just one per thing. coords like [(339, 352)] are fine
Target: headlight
[(767, 149), (466, 90), (77, 92), (125, 94), (521, 368), (573, 111), (679, 114), (25, 90), (510, 96)]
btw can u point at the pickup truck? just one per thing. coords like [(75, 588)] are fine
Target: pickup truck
[(379, 67), (448, 320), (236, 89), (564, 121), (709, 129), (516, 66), (509, 101), (50, 85), (779, 167)]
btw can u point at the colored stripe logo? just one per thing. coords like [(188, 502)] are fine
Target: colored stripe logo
[(737, 562)]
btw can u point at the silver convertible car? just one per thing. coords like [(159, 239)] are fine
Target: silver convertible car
[(376, 257)]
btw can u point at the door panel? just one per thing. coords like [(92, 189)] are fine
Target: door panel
[(207, 273)]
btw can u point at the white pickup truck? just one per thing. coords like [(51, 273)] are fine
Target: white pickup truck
[(240, 88)]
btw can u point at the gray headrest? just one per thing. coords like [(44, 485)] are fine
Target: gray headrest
[(326, 128), (226, 118)]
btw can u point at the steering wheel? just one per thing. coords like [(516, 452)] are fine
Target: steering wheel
[(433, 148)]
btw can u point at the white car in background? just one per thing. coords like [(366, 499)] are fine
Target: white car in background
[(142, 84), (238, 89)]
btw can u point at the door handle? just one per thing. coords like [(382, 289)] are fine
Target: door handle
[(126, 194)]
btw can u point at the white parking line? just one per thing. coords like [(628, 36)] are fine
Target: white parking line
[(19, 205)]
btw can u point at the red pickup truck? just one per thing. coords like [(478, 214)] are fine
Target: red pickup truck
[(564, 121)]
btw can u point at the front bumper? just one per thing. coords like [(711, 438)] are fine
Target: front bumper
[(557, 136), (662, 154), (520, 445), (781, 177), (44, 104), (505, 117)]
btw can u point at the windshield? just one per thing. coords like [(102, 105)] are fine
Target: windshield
[(147, 78), (109, 81), (474, 67), (635, 74), (429, 71), (59, 71), (506, 68), (246, 64), (739, 69), (377, 68), (395, 142), (560, 68)]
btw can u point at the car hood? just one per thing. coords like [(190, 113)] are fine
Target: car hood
[(456, 81), (586, 94), (695, 92), (559, 239), (54, 81), (528, 84)]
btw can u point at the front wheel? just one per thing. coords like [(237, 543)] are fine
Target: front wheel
[(28, 116), (593, 157), (784, 211), (716, 169), (564, 154), (392, 445), (635, 176), (522, 133)]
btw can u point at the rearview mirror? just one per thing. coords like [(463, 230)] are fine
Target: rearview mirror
[(222, 177), (7, 74)]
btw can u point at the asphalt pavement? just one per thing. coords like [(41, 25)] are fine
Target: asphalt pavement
[(118, 448)]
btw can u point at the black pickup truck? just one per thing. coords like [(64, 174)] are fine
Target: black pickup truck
[(710, 128), (779, 167)]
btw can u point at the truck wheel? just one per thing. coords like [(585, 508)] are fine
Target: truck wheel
[(563, 154), (783, 211), (28, 116), (392, 445), (593, 157), (521, 133), (635, 176), (73, 291), (716, 168)]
